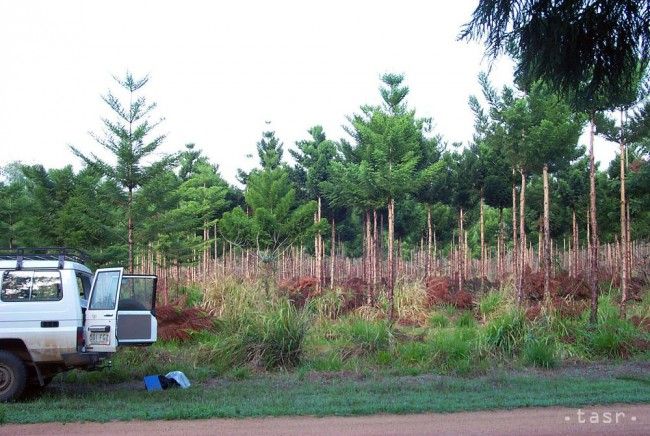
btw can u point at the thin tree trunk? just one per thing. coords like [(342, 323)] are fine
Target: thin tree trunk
[(522, 233), (624, 244), (130, 228), (576, 242), (547, 238), (593, 276), (318, 251), (391, 257), (435, 254), (500, 247), (461, 246), (332, 252), (482, 241), (429, 236), (376, 277), (628, 224), (515, 250), (368, 260)]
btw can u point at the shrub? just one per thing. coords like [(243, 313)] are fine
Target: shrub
[(193, 294)]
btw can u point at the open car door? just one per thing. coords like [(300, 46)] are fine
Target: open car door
[(100, 326), (136, 316)]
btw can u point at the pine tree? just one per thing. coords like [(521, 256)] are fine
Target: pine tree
[(129, 139)]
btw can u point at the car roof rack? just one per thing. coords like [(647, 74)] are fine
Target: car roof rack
[(60, 254)]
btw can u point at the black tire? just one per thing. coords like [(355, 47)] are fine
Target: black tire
[(13, 376)]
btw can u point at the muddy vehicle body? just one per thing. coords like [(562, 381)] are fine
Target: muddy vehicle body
[(57, 315)]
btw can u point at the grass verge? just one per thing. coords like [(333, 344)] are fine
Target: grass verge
[(321, 394)]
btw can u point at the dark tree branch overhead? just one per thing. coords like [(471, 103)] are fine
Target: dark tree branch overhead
[(593, 49)]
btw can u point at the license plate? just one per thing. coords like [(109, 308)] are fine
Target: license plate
[(99, 338)]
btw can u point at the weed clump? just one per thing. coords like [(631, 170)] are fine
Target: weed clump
[(438, 320), (490, 303), (540, 351), (466, 320), (611, 335), (276, 340), (505, 333), (454, 349), (365, 337)]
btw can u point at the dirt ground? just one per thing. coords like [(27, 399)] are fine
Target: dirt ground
[(597, 420)]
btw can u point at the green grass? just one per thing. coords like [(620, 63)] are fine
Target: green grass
[(275, 336), (265, 357), (438, 320), (540, 351), (365, 337), (505, 333), (288, 394)]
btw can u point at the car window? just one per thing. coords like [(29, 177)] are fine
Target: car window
[(84, 282), (105, 290), (137, 293), (46, 286), (31, 286)]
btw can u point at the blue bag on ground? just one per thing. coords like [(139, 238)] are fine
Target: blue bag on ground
[(152, 383)]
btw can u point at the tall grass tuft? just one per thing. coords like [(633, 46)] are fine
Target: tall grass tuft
[(611, 335), (466, 320), (491, 303), (411, 302), (540, 350), (276, 340), (229, 297), (328, 305), (365, 337), (454, 349), (438, 320), (505, 333)]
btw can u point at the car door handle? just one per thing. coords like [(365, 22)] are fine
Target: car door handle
[(49, 324), (108, 315)]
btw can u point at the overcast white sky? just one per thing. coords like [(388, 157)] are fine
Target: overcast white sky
[(220, 70)]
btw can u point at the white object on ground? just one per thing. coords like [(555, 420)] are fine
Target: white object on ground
[(180, 378)]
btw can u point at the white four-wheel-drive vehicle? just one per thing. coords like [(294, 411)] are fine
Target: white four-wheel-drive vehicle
[(56, 315)]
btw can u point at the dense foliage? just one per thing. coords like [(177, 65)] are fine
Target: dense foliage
[(180, 205)]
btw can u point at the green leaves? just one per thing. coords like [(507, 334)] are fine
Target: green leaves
[(274, 219), (589, 51), (386, 161)]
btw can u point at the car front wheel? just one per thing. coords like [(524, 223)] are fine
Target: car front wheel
[(13, 376)]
